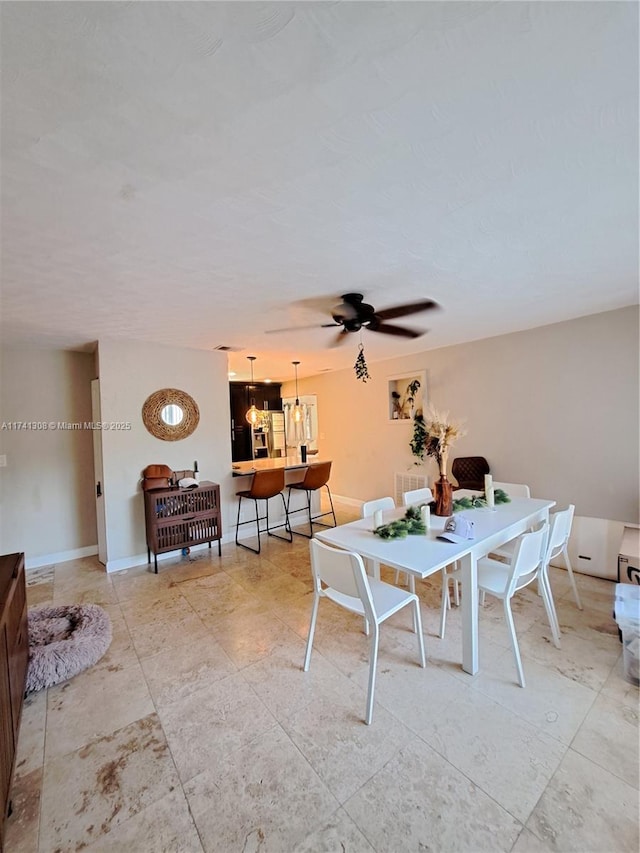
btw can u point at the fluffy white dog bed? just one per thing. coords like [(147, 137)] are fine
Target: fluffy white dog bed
[(63, 641)]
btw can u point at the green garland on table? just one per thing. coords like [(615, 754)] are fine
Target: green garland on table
[(410, 525), (479, 501)]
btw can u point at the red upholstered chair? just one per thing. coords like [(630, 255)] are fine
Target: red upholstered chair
[(316, 477), (264, 486), (469, 471)]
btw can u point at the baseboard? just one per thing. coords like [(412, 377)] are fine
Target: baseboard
[(60, 557), (141, 559), (346, 501)]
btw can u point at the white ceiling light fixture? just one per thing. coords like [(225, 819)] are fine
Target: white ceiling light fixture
[(253, 415)]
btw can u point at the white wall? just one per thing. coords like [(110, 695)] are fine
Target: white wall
[(129, 373), (555, 407), (46, 490)]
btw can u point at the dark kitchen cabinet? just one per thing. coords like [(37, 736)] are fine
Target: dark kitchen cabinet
[(267, 395)]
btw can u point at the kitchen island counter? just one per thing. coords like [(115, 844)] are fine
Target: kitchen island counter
[(289, 463)]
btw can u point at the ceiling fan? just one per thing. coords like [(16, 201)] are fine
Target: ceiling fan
[(352, 314)]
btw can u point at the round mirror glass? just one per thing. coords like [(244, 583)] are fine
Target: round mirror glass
[(172, 415)]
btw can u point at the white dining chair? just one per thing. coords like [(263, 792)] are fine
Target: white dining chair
[(340, 576), (416, 497), (514, 490), (467, 493), (563, 516), (560, 522), (503, 580), (366, 511)]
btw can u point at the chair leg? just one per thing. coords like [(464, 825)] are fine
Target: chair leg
[(547, 597), (411, 580), (258, 523), (241, 544), (508, 615), (286, 525), (312, 630), (311, 519), (238, 520), (567, 563), (333, 512), (308, 494), (417, 621), (445, 583), (456, 588), (553, 606), (373, 661), (374, 566), (397, 578)]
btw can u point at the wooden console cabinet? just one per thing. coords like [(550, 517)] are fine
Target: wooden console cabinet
[(179, 518), (14, 657)]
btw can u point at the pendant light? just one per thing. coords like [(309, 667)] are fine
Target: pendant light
[(297, 409), (253, 415)]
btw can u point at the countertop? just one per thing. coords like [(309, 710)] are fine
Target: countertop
[(241, 469)]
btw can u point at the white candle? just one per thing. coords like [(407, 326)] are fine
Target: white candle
[(377, 518), (425, 515), (488, 490)]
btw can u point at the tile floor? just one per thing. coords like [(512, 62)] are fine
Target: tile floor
[(198, 730)]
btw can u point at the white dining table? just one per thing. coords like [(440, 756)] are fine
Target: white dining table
[(424, 554)]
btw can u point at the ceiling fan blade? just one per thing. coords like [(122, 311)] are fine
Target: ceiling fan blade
[(299, 328), (398, 331), (340, 338), (403, 310)]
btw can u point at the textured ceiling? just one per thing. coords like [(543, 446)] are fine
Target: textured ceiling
[(199, 173)]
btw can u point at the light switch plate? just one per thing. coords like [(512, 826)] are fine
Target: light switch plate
[(3, 460)]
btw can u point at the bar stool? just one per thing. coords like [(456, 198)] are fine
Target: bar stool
[(316, 476), (265, 485)]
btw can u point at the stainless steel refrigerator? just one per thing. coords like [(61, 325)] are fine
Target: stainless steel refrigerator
[(269, 438)]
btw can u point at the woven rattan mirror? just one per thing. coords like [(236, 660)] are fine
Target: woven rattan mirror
[(170, 414)]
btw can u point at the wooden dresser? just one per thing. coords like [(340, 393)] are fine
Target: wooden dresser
[(14, 656), (179, 518)]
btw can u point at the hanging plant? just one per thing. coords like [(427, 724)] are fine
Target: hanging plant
[(410, 394), (419, 438), (360, 366)]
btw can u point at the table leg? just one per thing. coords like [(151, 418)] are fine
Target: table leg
[(372, 568), (469, 578)]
